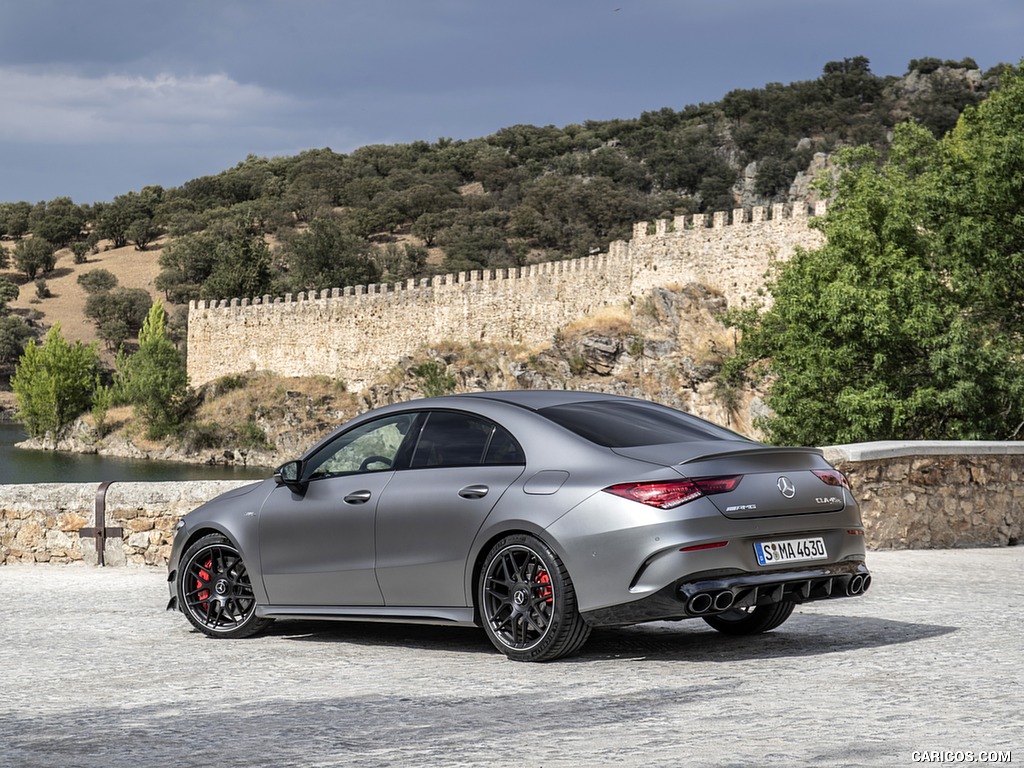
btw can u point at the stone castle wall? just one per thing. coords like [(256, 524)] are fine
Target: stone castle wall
[(353, 334), (912, 496)]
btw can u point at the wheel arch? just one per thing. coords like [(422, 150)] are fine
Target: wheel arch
[(485, 545), (205, 530)]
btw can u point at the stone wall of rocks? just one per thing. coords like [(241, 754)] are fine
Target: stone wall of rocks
[(913, 496), (937, 495), (42, 523), (354, 333)]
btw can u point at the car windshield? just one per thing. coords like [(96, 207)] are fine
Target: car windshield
[(617, 424)]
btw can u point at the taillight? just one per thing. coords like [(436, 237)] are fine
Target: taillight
[(832, 477), (668, 494)]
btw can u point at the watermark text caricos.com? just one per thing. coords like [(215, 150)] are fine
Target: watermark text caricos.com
[(960, 756)]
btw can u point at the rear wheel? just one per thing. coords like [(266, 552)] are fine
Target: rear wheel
[(214, 590), (751, 621), (527, 601)]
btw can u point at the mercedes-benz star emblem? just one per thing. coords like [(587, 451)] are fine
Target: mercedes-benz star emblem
[(786, 487)]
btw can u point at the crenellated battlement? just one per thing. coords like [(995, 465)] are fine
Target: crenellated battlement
[(455, 280), (356, 332)]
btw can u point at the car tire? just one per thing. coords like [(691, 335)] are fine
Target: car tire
[(214, 590), (751, 621), (527, 602)]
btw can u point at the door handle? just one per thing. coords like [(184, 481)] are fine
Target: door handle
[(474, 491), (357, 497)]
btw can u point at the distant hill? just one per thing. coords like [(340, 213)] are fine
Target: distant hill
[(385, 213)]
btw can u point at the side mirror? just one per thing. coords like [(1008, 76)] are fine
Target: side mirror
[(289, 474)]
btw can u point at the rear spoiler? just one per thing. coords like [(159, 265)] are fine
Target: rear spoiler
[(751, 452)]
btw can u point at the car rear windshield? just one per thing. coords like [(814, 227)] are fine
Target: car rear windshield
[(616, 424)]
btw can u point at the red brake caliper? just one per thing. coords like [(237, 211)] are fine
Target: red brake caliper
[(204, 578), (545, 591)]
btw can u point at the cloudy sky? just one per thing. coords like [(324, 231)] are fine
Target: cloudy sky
[(99, 97)]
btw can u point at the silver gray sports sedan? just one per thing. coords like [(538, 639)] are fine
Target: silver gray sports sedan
[(537, 515)]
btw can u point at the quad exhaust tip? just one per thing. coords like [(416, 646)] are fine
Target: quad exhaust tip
[(858, 584), (710, 602)]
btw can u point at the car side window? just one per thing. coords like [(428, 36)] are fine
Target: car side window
[(451, 439), (370, 447)]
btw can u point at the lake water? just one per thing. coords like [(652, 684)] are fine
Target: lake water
[(21, 466)]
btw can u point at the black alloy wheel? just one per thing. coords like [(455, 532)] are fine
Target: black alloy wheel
[(527, 601), (214, 590)]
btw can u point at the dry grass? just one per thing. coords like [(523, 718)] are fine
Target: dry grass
[(134, 269), (608, 321)]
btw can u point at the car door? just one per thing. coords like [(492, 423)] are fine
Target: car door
[(317, 547), (430, 513)]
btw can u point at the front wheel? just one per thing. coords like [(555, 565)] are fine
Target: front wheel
[(214, 590), (527, 601), (751, 621)]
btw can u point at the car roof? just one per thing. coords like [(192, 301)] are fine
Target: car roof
[(535, 399)]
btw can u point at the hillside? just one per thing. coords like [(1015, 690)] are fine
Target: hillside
[(522, 195), (669, 347)]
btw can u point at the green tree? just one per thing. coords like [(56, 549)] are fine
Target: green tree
[(242, 268), (115, 220), (329, 256), (97, 280), (907, 323), (14, 219), (118, 314), (154, 379), (60, 221), (8, 292), (34, 255), (187, 262), (13, 333), (53, 382), (79, 249), (142, 232)]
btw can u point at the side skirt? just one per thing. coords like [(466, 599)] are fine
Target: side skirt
[(395, 614)]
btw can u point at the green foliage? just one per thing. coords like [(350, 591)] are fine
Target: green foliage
[(228, 261), (433, 378), (142, 232), (154, 379), (59, 221), (187, 263), (42, 289), (34, 255), (251, 435), (328, 255), (79, 250), (397, 263), (54, 383), (525, 191), (118, 314), (129, 218), (14, 219), (242, 267), (13, 333), (8, 292), (907, 323), (201, 435), (97, 280), (102, 401)]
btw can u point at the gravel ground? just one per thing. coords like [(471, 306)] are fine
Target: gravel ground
[(96, 673)]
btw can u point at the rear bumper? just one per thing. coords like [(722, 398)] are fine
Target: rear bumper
[(711, 592)]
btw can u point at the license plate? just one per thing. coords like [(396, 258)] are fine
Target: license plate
[(790, 551)]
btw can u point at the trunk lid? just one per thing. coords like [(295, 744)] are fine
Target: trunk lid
[(775, 481)]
